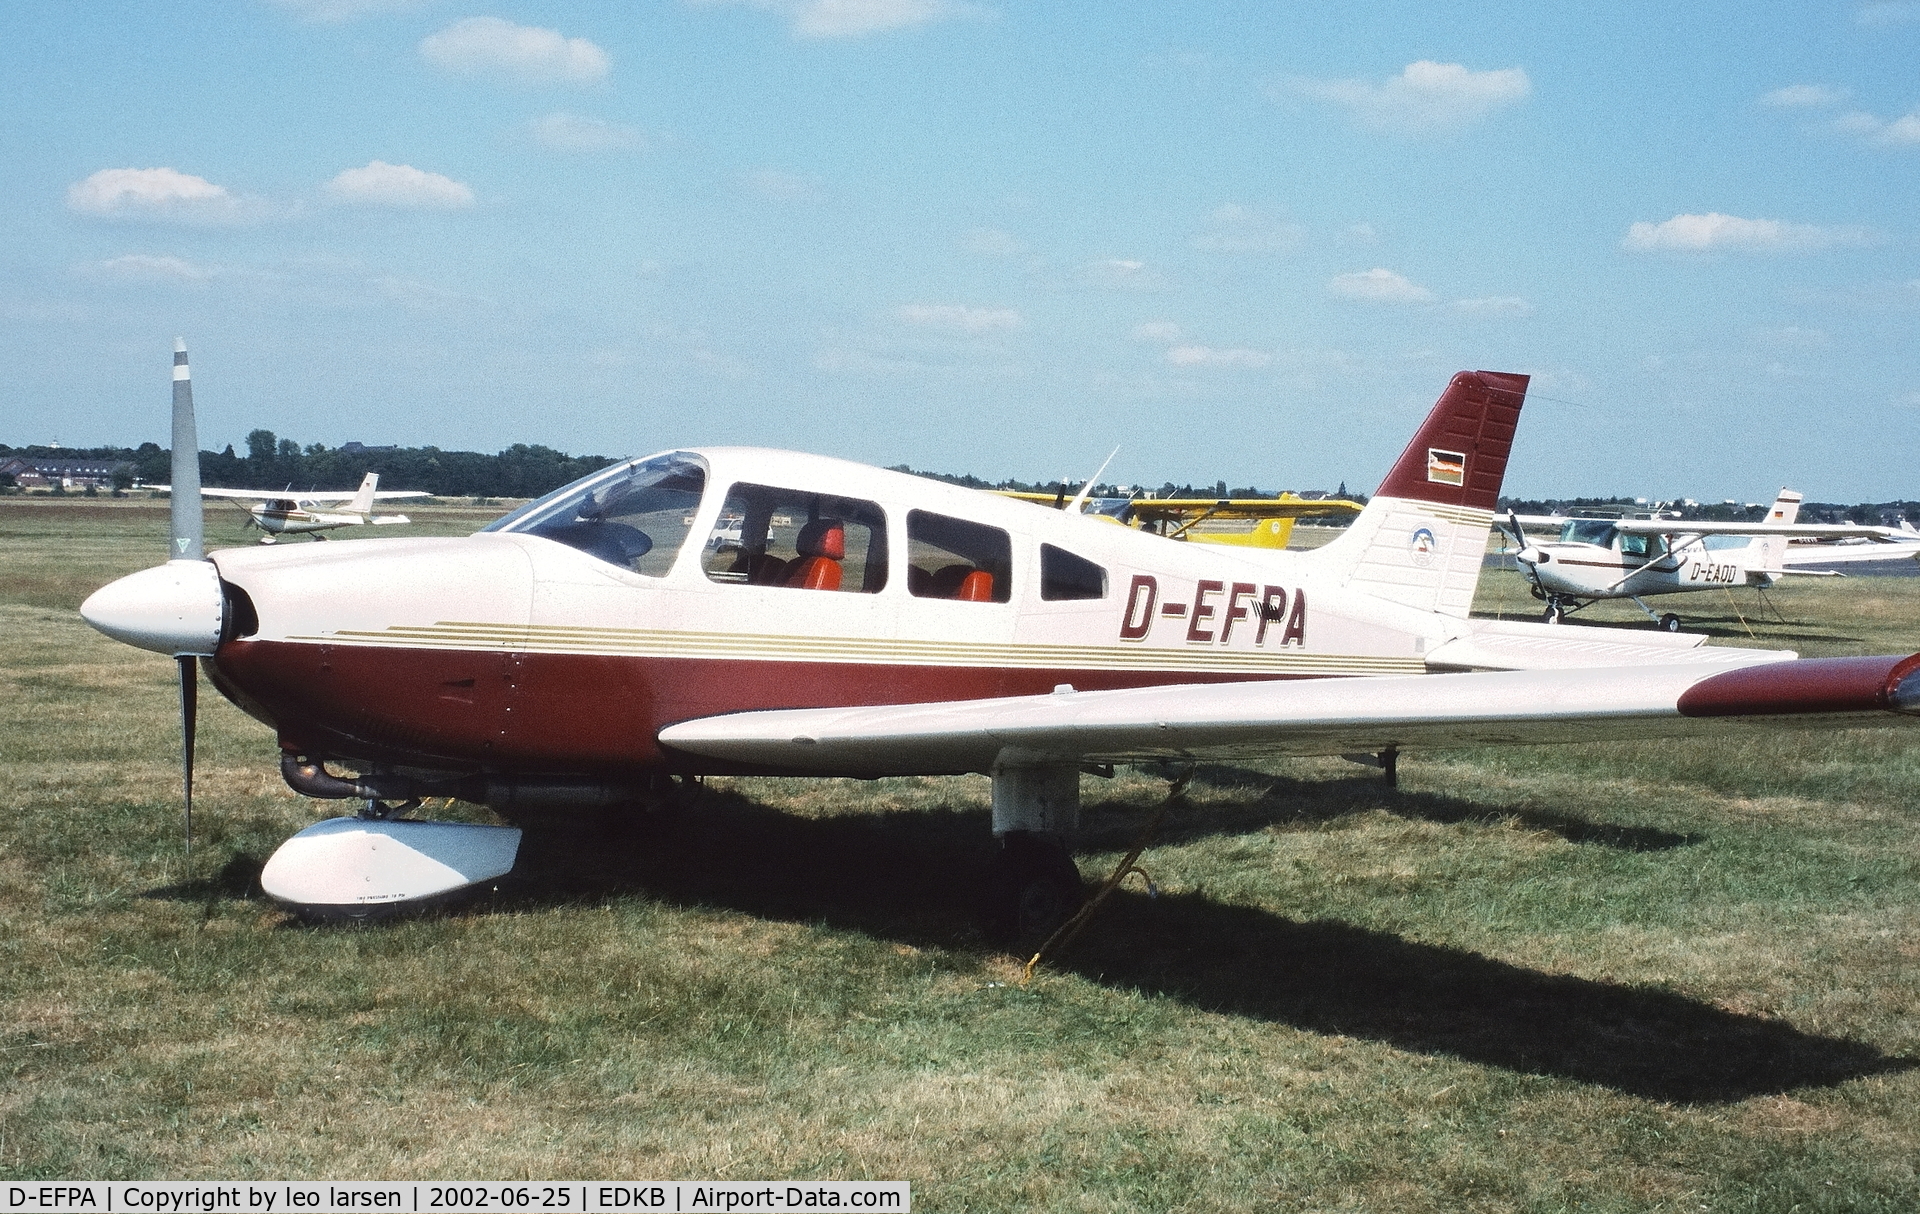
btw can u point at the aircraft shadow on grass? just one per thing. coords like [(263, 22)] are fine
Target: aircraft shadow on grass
[(914, 877), (1280, 800)]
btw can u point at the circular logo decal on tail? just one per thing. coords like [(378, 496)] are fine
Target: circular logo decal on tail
[(1423, 545)]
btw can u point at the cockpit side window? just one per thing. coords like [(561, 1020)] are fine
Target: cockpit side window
[(1649, 546), (951, 558), (635, 515), (1066, 576), (767, 536)]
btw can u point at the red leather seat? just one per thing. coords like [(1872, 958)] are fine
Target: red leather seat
[(962, 582), (821, 545), (976, 587)]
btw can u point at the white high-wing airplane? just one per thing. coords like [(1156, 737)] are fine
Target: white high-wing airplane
[(593, 645), (1631, 558), (279, 512)]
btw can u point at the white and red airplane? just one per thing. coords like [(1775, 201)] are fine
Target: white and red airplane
[(850, 621), (1621, 557), (284, 512)]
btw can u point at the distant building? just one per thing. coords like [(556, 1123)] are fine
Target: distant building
[(356, 447), (31, 472)]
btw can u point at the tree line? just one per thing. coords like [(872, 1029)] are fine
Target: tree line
[(272, 462)]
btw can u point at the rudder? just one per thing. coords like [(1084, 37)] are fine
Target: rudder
[(1422, 538)]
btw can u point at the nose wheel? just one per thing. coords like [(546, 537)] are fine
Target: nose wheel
[(1556, 611)]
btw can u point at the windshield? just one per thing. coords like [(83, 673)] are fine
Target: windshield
[(635, 514)]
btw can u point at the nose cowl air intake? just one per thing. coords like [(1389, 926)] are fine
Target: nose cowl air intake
[(176, 609)]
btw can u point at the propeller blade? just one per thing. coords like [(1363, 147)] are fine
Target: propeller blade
[(1513, 527), (189, 721), (188, 537)]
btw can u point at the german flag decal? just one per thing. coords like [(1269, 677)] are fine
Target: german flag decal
[(1446, 467)]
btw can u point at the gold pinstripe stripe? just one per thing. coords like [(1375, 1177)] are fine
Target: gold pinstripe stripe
[(664, 643)]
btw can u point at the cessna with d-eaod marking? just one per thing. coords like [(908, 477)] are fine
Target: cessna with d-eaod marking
[(856, 622), (1631, 558), (289, 513)]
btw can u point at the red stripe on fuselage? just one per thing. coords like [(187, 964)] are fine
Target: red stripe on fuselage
[(576, 712)]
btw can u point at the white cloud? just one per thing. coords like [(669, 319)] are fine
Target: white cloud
[(1379, 286), (1495, 305), (381, 184), (522, 54), (1234, 228), (164, 195), (1901, 132), (1425, 96), (147, 267), (1889, 12), (955, 318), (1213, 356), (1804, 97), (333, 12), (1156, 331), (563, 132), (1701, 233), (1120, 274), (858, 18), (1362, 232)]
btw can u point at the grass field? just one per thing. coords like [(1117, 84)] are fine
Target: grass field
[(1677, 977)]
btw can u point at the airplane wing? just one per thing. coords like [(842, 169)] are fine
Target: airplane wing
[(1228, 721), (1799, 558), (283, 495), (242, 495), (1175, 509), (1831, 531)]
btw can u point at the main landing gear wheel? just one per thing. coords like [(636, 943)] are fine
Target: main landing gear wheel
[(1669, 622), (1033, 889)]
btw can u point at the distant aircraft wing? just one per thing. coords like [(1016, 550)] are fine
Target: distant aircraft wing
[(242, 495), (1179, 509), (1228, 721), (1831, 531), (283, 495)]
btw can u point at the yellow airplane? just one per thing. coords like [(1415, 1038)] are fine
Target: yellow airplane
[(1179, 518)]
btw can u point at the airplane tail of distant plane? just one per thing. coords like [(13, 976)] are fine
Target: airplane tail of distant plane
[(362, 502), (1785, 509), (1422, 538)]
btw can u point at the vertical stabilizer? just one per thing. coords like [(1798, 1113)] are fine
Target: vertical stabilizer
[(1773, 548), (362, 502), (1423, 537)]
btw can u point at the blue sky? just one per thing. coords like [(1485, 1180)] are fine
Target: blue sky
[(1241, 241)]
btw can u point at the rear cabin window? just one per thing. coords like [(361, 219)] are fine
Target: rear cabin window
[(766, 536), (951, 558), (1066, 576)]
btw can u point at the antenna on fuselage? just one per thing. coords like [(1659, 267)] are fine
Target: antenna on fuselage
[(1079, 501)]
